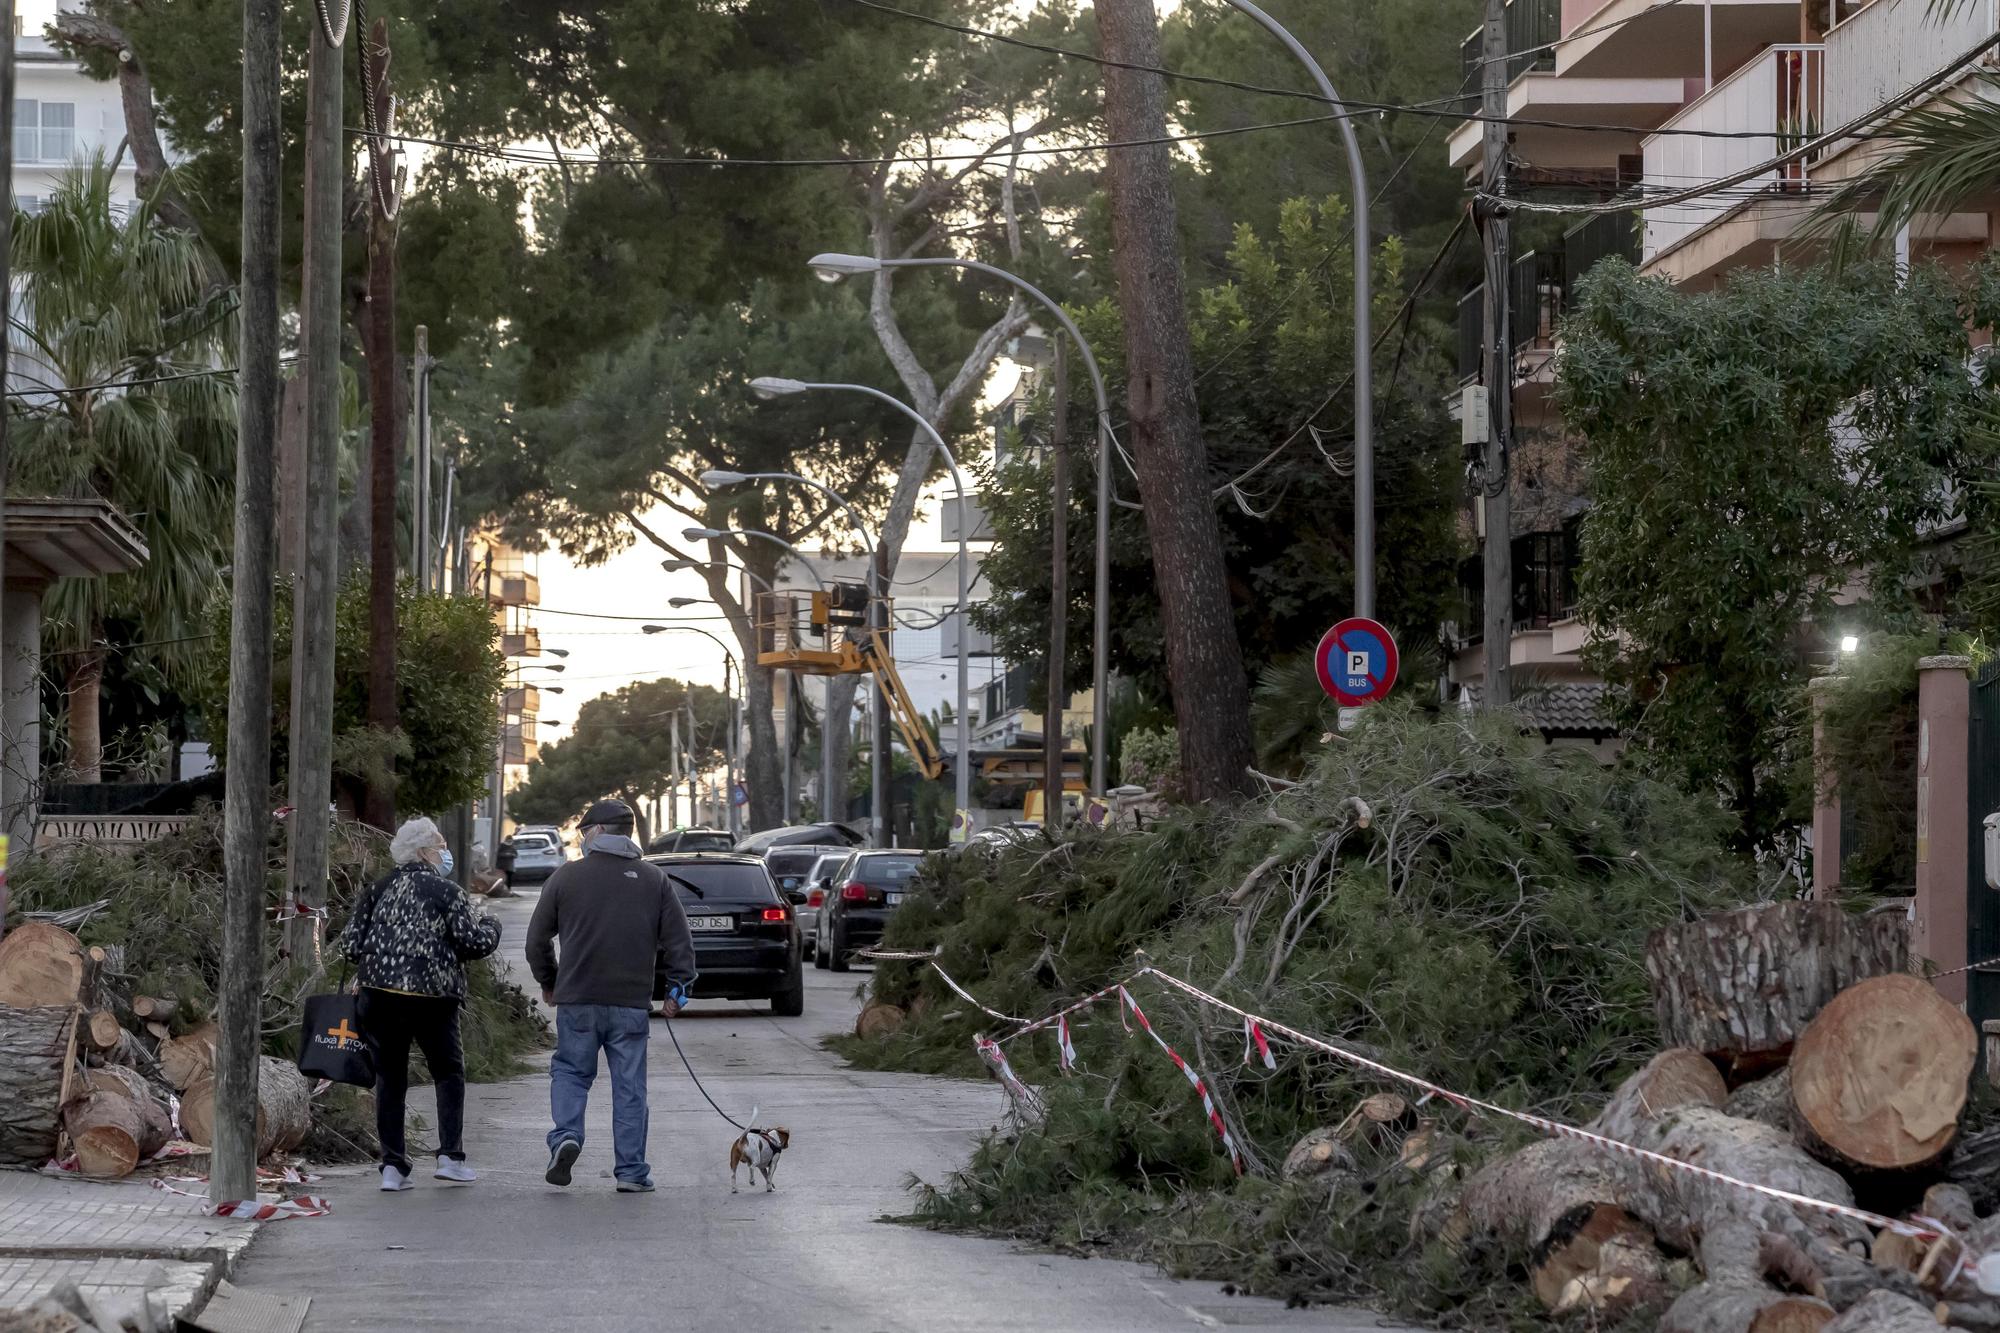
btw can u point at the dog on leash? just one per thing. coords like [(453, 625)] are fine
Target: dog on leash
[(759, 1150)]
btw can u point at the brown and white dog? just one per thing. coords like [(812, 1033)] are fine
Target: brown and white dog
[(758, 1149)]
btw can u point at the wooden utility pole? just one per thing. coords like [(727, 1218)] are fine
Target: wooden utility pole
[(1058, 698), (316, 586), (1498, 621), (385, 422), (6, 285), (1204, 660), (247, 790)]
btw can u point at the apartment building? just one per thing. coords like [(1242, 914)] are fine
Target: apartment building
[(1639, 99), (505, 576), (61, 115)]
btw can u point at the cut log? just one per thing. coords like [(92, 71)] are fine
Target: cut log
[(1742, 1306), (186, 1059), (153, 1008), (1742, 986), (284, 1108), (158, 1031), (101, 1030), (1556, 1202), (34, 1049), (41, 966), (1881, 1075), (1884, 1312), (1768, 1101), (114, 1132), (878, 1020), (1676, 1077), (1316, 1153)]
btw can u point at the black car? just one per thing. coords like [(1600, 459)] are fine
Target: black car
[(693, 840), (868, 886), (746, 936), (790, 865)]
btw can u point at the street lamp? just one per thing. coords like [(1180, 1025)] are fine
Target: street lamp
[(720, 478), (833, 267), (729, 663), (769, 386)]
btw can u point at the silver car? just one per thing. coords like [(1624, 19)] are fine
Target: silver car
[(537, 855), (817, 884)]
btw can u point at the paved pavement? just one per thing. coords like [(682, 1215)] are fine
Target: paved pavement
[(515, 1253), (111, 1239)]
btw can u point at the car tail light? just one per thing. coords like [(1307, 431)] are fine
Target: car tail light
[(855, 893), (815, 897)]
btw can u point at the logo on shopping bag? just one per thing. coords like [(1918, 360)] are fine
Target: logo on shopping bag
[(343, 1035)]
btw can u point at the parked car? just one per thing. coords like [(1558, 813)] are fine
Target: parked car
[(538, 853), (867, 887), (818, 883), (746, 935), (790, 869), (801, 835), (692, 840), (1000, 837)]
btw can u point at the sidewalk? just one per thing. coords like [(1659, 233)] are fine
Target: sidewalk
[(115, 1238)]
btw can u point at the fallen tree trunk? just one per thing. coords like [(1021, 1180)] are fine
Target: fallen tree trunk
[(1885, 1312), (41, 966), (284, 1108), (1882, 1074), (34, 1047), (184, 1060), (1556, 1201), (1745, 1306), (1742, 986)]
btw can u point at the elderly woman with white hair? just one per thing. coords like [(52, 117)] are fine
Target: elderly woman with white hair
[(409, 938)]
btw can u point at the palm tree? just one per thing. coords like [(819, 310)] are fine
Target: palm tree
[(123, 341)]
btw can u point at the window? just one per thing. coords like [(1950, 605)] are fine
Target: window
[(44, 131)]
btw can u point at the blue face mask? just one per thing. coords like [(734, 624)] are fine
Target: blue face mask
[(444, 862)]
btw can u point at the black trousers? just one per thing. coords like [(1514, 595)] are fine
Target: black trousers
[(390, 1023)]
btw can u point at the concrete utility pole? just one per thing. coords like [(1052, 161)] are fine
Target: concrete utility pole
[(673, 770), (1498, 627), (247, 790), (6, 285), (881, 816), (314, 591), (385, 420), (1058, 697)]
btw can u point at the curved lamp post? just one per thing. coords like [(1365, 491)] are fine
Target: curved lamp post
[(771, 386), (833, 267), (735, 714)]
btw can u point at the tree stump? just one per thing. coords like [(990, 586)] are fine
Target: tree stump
[(1742, 986), (34, 1047), (1882, 1073), (41, 966), (284, 1108)]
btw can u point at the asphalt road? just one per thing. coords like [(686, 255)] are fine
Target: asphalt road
[(513, 1252)]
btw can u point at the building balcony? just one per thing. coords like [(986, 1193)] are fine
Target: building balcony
[(1542, 290), (517, 588), (1890, 46), (1532, 29), (1628, 38), (523, 700), (1775, 102), (523, 642)]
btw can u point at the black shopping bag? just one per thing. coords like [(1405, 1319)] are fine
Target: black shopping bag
[(330, 1042)]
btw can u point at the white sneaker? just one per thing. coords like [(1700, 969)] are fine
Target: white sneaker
[(392, 1179), (450, 1168)]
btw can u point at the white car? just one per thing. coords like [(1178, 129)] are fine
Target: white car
[(537, 855), (817, 884)]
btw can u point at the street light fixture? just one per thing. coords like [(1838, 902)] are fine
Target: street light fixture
[(729, 664), (771, 386), (833, 267), (681, 603)]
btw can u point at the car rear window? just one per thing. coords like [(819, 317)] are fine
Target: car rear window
[(720, 884), (705, 842), (788, 861), (886, 872), (534, 842)]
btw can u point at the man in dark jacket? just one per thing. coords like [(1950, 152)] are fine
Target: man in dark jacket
[(618, 919)]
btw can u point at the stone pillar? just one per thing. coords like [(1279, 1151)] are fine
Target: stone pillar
[(20, 712), (1944, 704), (1826, 849)]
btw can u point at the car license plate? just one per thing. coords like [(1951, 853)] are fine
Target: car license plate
[(789, 882), (892, 898), (711, 923)]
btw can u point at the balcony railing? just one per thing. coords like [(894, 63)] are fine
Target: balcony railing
[(524, 642), (1774, 101), (1602, 236), (1894, 44), (1532, 26), (1535, 305)]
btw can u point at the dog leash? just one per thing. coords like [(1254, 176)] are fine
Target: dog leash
[(704, 1091)]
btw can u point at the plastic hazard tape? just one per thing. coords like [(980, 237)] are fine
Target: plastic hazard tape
[(1925, 1229), (1065, 1048), (295, 907), (890, 955), (1969, 967), (1201, 1088), (254, 1210), (990, 1051)]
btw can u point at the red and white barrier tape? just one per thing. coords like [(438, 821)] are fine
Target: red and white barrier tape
[(1923, 1229), (255, 1210), (990, 1052), (294, 907), (1969, 967), (1254, 1041), (1065, 1048), (890, 955), (1201, 1088)]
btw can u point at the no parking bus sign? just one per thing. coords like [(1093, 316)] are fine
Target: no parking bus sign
[(1357, 662)]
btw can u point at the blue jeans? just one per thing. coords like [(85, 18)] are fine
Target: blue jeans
[(581, 1031)]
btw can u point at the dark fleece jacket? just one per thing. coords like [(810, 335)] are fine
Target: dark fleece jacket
[(616, 916)]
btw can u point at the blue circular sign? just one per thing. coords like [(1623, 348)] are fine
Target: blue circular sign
[(1357, 662)]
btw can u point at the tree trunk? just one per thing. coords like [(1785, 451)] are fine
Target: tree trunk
[(152, 1008), (114, 1132), (86, 723), (1740, 1305), (1884, 1312), (1883, 1072), (1204, 661), (764, 764), (41, 965), (384, 446), (284, 1108), (34, 1048), (1741, 986), (836, 732)]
